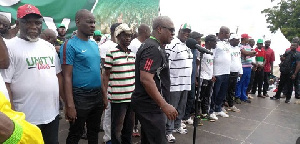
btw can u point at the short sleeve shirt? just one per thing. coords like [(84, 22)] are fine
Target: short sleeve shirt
[(270, 57), (85, 58), (152, 59)]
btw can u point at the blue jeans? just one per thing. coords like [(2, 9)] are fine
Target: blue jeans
[(219, 93), (242, 85)]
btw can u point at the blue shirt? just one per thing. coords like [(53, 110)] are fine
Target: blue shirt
[(85, 58), (195, 54)]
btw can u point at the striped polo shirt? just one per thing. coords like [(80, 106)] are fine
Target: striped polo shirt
[(246, 60), (181, 64), (122, 74)]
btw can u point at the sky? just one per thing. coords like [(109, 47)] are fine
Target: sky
[(207, 16)]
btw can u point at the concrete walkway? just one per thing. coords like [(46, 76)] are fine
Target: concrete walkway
[(263, 121)]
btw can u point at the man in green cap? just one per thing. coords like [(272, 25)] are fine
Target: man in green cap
[(97, 36), (61, 30), (259, 73)]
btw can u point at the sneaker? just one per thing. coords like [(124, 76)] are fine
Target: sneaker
[(189, 121), (213, 116), (266, 95), (238, 101), (170, 138), (181, 130), (182, 125), (274, 98), (247, 101), (222, 114), (136, 133), (234, 109), (250, 97), (224, 110), (287, 101)]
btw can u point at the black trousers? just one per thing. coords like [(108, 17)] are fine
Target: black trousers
[(122, 121), (153, 127), (285, 80), (89, 108), (50, 131), (266, 82), (231, 87), (296, 85), (258, 82), (205, 95)]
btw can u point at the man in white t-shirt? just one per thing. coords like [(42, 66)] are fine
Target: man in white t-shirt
[(143, 34), (222, 60), (180, 63), (33, 76)]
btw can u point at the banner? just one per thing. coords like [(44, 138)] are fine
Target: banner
[(107, 12)]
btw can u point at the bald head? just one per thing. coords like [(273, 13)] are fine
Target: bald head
[(48, 35), (82, 13), (163, 29), (224, 33), (85, 22), (4, 24), (143, 32)]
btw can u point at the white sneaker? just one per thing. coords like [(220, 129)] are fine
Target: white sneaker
[(213, 116), (189, 121), (183, 125), (170, 138), (234, 109), (222, 114), (181, 130), (224, 110)]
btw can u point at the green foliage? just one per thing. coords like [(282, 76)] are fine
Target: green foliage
[(284, 16)]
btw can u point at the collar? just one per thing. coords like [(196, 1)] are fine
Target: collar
[(119, 47)]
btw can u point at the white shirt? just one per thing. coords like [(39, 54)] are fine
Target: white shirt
[(181, 64), (105, 47), (207, 64), (2, 83), (134, 45), (33, 81), (222, 58), (236, 63)]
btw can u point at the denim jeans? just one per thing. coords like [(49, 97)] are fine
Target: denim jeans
[(122, 122), (50, 131), (219, 93), (242, 85)]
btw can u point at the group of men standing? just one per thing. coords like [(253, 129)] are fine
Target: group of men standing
[(152, 78)]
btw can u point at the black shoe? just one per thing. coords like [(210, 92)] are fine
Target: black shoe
[(252, 92), (247, 101), (287, 101), (259, 95), (297, 97), (274, 98)]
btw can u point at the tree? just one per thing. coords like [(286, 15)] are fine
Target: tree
[(284, 16)]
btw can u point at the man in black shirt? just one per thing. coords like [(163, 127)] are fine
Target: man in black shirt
[(152, 82)]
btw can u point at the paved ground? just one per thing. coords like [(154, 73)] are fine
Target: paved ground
[(264, 121)]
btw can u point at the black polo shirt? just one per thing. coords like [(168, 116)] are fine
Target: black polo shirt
[(150, 58)]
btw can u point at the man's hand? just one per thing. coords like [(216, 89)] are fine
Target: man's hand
[(213, 79), (70, 113), (170, 111), (105, 103)]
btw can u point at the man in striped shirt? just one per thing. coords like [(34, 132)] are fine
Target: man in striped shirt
[(180, 62), (119, 81)]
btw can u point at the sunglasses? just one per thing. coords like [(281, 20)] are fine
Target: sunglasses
[(172, 30)]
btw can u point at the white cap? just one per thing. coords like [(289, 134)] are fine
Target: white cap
[(122, 28), (234, 36)]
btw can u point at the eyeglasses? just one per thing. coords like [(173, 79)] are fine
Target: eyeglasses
[(172, 30)]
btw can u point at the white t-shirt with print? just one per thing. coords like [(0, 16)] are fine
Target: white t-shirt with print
[(33, 81), (207, 64), (103, 48), (222, 58), (134, 45), (2, 83), (236, 63)]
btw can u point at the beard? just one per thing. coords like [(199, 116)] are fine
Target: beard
[(32, 39)]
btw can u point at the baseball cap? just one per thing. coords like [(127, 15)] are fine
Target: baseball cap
[(61, 25), (234, 36), (27, 9), (97, 33), (260, 41), (245, 36), (185, 26), (122, 28)]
